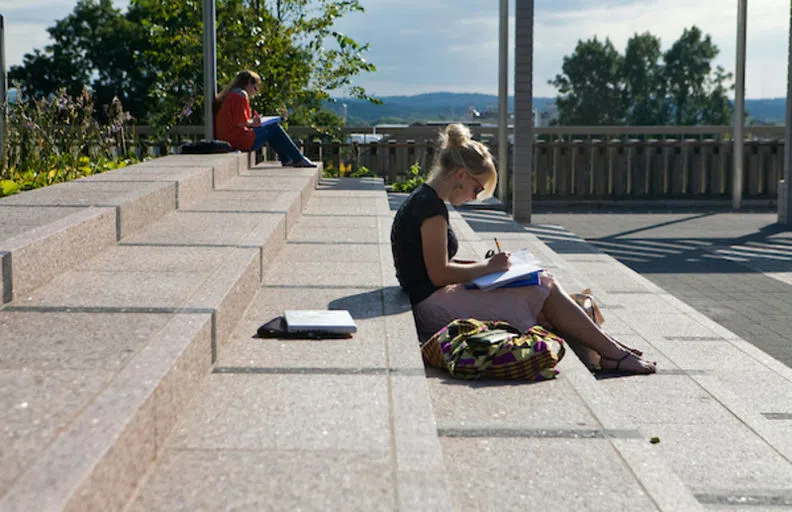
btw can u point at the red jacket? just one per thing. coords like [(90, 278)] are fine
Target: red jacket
[(234, 111)]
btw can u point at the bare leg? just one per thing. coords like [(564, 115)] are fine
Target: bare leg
[(571, 321)]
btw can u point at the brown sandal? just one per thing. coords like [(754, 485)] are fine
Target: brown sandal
[(618, 361)]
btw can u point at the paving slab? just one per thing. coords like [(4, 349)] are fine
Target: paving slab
[(37, 405), (52, 241), (85, 445), (554, 474), (220, 281), (364, 304), (211, 229), (268, 479), (552, 405)]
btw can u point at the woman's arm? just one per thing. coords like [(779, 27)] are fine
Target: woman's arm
[(442, 271)]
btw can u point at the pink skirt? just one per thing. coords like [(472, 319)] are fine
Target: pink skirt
[(518, 306)]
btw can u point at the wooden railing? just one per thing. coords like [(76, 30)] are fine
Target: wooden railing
[(575, 163)]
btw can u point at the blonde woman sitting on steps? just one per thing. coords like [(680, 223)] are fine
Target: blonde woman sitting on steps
[(424, 246)]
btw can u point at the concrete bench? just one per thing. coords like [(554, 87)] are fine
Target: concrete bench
[(100, 360)]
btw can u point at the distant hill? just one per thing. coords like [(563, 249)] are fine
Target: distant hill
[(436, 106), (447, 106), (767, 111)]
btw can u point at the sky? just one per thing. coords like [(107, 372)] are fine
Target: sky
[(424, 46)]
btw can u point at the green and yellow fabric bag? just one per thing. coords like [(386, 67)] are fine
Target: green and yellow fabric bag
[(472, 349)]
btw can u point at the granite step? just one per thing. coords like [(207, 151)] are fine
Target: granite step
[(333, 424), (100, 361), (44, 232)]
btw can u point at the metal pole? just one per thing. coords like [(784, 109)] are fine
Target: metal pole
[(522, 188), (785, 191), (3, 89), (503, 103), (210, 67), (739, 107)]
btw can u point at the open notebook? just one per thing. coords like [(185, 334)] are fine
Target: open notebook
[(268, 120), (524, 271)]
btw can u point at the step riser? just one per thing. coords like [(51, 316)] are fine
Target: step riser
[(36, 257)]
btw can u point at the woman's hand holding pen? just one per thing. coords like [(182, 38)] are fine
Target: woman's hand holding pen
[(499, 262)]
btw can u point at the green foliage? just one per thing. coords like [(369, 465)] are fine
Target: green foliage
[(345, 171), (590, 87), (414, 181), (151, 56), (362, 172), (599, 86), (57, 139)]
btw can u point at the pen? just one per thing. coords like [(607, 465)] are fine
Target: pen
[(498, 245)]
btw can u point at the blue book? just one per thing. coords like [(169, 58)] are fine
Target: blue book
[(524, 271), (529, 280)]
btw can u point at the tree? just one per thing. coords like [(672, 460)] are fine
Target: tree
[(152, 55), (590, 87), (645, 87), (696, 94), (94, 46)]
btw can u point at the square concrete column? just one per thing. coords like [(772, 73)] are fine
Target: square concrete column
[(784, 190), (522, 191)]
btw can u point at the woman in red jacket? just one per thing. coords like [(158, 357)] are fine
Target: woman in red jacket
[(235, 124)]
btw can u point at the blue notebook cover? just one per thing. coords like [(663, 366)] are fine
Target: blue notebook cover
[(529, 280)]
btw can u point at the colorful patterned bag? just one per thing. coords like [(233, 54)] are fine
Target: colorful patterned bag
[(471, 349)]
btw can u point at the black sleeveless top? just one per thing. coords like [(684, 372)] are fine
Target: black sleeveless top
[(406, 242)]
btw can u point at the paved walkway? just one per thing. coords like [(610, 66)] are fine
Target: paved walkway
[(735, 268)]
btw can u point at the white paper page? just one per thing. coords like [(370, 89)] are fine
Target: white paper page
[(523, 262)]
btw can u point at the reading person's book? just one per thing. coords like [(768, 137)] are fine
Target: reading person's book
[(524, 271)]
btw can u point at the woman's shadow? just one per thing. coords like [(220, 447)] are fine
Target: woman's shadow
[(386, 301)]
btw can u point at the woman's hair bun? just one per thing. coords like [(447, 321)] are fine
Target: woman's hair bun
[(455, 136)]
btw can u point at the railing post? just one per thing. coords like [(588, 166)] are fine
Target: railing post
[(391, 161)]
